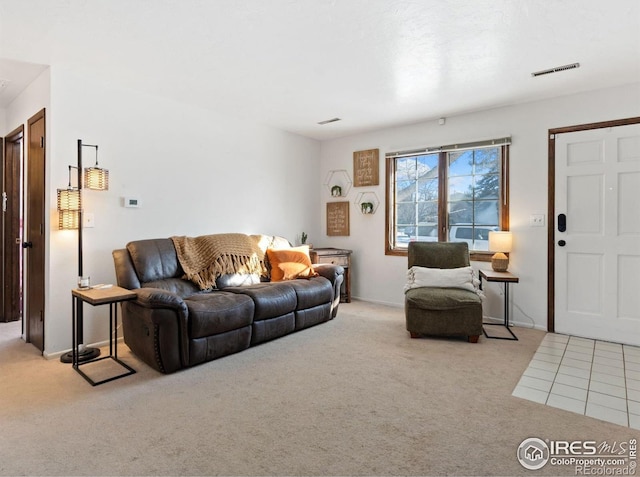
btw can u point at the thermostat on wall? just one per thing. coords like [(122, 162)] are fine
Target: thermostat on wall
[(131, 202)]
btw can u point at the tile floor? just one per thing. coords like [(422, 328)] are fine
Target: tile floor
[(590, 377)]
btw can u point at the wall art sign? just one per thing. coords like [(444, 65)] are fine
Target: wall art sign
[(337, 218), (365, 168)]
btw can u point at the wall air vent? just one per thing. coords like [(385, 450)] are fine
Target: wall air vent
[(556, 69), (327, 121)]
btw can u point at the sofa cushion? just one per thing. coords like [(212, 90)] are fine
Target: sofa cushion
[(312, 292), (218, 312), (215, 346), (270, 299), (272, 328), (442, 298), (180, 287), (237, 280), (290, 263)]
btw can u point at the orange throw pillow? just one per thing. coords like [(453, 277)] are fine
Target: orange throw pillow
[(290, 263)]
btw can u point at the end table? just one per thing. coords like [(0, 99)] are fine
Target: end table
[(506, 278), (99, 296)]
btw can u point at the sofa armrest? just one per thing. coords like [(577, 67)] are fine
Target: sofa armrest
[(159, 298), (155, 328), (335, 274), (329, 271)]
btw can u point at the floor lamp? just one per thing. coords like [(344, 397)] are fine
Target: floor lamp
[(70, 217)]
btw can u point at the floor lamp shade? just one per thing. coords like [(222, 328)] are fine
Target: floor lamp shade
[(69, 205), (96, 178), (501, 243), (68, 219), (69, 199)]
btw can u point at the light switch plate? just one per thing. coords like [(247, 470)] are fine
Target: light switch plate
[(88, 220), (537, 220)]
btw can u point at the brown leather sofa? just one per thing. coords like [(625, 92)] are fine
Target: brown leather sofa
[(173, 324)]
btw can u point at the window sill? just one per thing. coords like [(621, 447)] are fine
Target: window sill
[(474, 256)]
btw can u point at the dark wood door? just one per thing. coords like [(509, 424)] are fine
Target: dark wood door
[(12, 201), (35, 231)]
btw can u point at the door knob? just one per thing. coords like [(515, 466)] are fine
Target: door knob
[(27, 244), (562, 243)]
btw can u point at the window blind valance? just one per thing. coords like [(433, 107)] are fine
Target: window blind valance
[(451, 147)]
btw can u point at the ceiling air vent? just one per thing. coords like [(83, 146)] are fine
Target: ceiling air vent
[(556, 69), (327, 121)]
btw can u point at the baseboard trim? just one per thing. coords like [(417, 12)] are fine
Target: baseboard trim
[(99, 344), (378, 302)]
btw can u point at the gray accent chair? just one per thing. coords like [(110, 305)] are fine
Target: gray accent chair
[(442, 311)]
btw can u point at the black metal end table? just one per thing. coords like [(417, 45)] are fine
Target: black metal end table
[(506, 278), (99, 296)]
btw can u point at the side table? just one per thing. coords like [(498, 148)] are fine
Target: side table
[(99, 296), (336, 256), (506, 278)]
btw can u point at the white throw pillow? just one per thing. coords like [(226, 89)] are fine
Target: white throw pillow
[(441, 278)]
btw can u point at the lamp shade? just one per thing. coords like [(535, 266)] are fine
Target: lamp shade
[(500, 241), (68, 219), (96, 178), (69, 199)]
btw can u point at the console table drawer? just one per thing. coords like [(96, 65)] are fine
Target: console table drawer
[(336, 260)]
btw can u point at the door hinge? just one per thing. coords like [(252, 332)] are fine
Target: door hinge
[(42, 141), (4, 202)]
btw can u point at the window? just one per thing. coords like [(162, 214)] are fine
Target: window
[(452, 193)]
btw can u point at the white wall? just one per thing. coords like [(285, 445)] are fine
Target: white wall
[(198, 172), (29, 102), (380, 278), (194, 171)]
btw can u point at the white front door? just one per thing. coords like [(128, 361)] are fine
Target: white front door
[(597, 257)]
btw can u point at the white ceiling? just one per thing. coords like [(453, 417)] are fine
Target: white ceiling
[(293, 63)]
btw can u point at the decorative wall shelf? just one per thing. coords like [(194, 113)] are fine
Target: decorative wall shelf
[(367, 203), (338, 182)]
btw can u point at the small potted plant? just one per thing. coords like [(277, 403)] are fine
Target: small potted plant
[(336, 191), (366, 208)]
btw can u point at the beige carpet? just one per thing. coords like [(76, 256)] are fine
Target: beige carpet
[(355, 396)]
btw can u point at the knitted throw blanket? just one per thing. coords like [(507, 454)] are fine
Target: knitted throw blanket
[(205, 258)]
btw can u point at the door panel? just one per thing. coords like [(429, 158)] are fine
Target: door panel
[(35, 231), (12, 227), (628, 212), (597, 258), (584, 296), (585, 206), (628, 282)]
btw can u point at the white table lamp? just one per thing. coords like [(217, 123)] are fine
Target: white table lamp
[(500, 243)]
